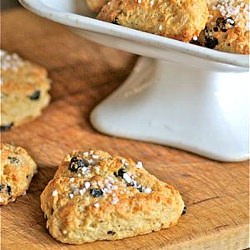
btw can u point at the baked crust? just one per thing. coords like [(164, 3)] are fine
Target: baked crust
[(178, 19), (24, 90), (17, 169), (94, 196)]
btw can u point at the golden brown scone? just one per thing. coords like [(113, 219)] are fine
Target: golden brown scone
[(94, 196), (227, 28), (96, 5), (178, 19), (24, 90), (17, 169)]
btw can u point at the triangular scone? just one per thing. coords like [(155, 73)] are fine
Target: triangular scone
[(94, 196), (178, 19)]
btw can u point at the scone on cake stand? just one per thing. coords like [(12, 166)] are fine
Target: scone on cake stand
[(178, 94)]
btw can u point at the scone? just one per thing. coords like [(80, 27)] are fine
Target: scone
[(96, 196), (24, 90), (96, 5), (17, 169), (227, 28), (181, 20)]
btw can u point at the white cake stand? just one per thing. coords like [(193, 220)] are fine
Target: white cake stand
[(178, 94)]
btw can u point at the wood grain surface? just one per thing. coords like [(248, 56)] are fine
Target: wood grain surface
[(83, 74)]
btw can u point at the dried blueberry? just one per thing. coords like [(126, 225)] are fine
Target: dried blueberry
[(211, 42), (13, 160), (115, 21), (6, 127), (35, 96), (225, 24), (120, 172), (8, 190), (220, 23), (95, 192), (111, 232), (184, 210), (1, 187), (77, 163)]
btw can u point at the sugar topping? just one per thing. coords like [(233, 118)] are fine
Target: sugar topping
[(71, 179), (120, 182), (115, 200), (82, 191), (139, 164), (55, 193), (236, 9), (10, 61), (147, 190), (87, 184), (96, 205), (152, 2), (127, 178), (64, 231)]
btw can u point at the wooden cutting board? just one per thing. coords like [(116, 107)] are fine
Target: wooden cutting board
[(83, 74)]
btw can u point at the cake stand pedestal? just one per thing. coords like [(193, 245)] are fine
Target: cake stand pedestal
[(205, 112)]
